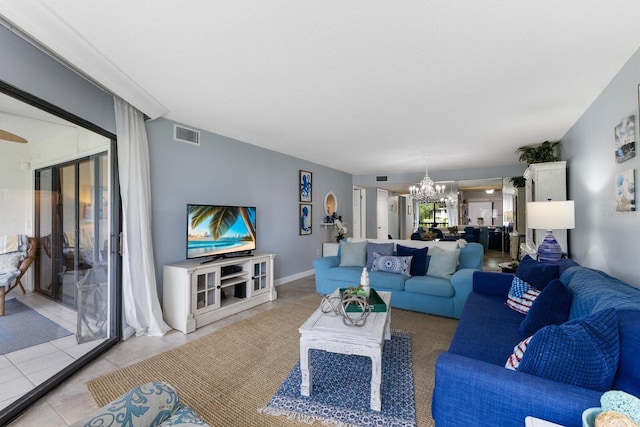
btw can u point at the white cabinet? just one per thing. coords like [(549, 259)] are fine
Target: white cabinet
[(196, 294), (546, 181)]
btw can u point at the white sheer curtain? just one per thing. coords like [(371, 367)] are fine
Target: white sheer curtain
[(141, 304)]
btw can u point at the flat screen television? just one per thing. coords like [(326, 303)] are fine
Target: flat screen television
[(218, 231)]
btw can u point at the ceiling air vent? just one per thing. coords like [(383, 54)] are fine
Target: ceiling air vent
[(184, 134), (381, 178)]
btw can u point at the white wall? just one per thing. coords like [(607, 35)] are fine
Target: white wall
[(13, 185), (603, 238)]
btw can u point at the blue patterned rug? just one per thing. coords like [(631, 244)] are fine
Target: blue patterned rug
[(23, 327), (342, 389)]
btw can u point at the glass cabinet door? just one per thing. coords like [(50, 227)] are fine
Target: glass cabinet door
[(207, 292), (260, 277)]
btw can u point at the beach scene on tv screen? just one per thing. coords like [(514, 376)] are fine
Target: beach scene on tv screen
[(215, 230)]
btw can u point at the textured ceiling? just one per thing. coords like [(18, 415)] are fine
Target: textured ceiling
[(366, 87)]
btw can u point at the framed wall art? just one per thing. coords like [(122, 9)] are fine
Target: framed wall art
[(305, 219), (305, 186), (625, 191), (625, 139)]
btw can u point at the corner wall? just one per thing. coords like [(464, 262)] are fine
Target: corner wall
[(604, 238)]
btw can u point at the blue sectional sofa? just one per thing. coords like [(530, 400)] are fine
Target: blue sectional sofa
[(425, 293), (472, 385)]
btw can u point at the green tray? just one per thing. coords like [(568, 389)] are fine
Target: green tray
[(375, 302)]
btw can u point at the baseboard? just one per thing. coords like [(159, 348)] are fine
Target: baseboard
[(301, 275)]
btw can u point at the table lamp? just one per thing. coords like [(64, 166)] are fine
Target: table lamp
[(550, 215)]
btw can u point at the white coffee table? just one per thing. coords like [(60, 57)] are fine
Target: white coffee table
[(327, 331)]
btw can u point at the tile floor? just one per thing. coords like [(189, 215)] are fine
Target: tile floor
[(71, 400), (21, 370)]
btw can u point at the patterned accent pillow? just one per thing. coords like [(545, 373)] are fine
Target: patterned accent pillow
[(381, 248), (145, 405), (392, 264), (584, 352), (518, 351), (521, 295)]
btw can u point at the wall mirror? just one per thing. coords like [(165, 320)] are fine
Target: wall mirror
[(330, 203)]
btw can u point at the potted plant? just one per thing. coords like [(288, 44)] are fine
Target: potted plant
[(545, 152), (529, 154)]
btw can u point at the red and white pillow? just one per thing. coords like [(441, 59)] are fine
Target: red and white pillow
[(521, 295), (518, 351)]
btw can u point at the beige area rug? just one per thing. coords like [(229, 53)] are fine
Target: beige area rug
[(228, 375)]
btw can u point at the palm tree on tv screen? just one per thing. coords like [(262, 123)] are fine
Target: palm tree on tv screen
[(222, 218)]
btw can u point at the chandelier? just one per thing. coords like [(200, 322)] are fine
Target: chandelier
[(452, 199), (425, 191)]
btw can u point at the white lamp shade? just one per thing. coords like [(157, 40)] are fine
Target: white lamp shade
[(551, 215)]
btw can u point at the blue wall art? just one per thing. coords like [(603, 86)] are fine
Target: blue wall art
[(305, 219)]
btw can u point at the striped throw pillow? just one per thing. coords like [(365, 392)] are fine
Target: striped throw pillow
[(521, 295), (518, 351)]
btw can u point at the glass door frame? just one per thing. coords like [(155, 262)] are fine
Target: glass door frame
[(13, 410)]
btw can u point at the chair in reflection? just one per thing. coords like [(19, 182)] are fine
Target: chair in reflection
[(470, 234), (15, 263)]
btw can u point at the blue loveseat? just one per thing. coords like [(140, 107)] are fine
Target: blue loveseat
[(472, 386), (426, 294)]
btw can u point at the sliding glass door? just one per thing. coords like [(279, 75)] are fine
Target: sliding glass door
[(72, 222), (61, 188)]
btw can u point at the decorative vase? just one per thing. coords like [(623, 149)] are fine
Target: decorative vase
[(364, 281)]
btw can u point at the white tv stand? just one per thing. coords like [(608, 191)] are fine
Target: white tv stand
[(196, 294)]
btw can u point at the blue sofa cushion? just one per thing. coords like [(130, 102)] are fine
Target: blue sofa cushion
[(429, 285), (443, 263), (594, 290), (536, 273), (628, 376), (551, 307), (353, 254), (350, 276), (392, 264), (419, 262), (476, 336), (582, 352), (381, 248)]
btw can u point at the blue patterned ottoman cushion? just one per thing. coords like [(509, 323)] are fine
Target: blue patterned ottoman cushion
[(146, 405), (551, 307), (582, 352), (184, 417)]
